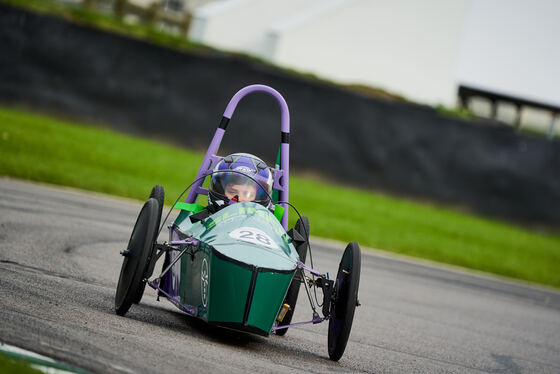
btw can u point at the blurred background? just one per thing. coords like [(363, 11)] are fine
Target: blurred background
[(451, 107), (499, 59)]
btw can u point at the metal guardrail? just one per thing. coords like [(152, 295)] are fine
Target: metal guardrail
[(467, 93)]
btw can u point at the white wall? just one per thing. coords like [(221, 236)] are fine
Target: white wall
[(421, 49), (241, 25), (407, 47), (513, 47)]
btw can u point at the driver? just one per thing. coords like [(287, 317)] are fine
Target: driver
[(240, 177), (240, 192)]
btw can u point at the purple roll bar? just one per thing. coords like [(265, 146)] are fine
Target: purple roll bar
[(219, 134)]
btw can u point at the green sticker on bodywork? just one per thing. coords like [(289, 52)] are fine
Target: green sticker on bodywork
[(278, 212), (195, 208)]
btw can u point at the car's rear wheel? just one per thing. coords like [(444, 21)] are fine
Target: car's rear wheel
[(345, 300), (136, 256)]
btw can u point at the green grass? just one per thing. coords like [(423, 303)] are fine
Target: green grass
[(23, 363), (43, 149), (47, 150), (10, 365), (457, 112)]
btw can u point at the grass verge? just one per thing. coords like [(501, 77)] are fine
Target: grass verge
[(39, 148), (9, 365)]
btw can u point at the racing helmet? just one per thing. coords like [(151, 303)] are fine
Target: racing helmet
[(240, 177)]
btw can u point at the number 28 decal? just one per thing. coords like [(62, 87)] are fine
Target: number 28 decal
[(253, 235)]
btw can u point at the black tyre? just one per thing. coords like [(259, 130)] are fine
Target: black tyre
[(158, 194), (345, 300), (134, 264), (302, 226)]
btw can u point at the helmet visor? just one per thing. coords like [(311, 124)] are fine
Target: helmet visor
[(238, 187)]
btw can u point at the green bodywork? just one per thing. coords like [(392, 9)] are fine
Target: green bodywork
[(242, 269)]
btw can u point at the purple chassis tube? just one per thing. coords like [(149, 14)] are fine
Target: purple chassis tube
[(284, 147)]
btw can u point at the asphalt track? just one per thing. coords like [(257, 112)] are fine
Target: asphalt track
[(59, 264)]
